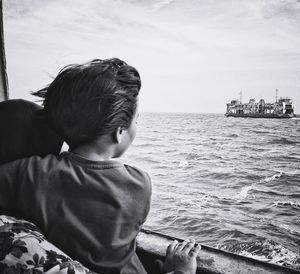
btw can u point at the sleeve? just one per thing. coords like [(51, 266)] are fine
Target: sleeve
[(148, 185), (142, 191), (8, 187)]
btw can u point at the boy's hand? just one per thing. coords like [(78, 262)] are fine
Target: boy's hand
[(182, 257)]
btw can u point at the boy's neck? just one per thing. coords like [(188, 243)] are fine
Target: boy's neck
[(95, 151), (91, 155)]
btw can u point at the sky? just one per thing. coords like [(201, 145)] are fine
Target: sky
[(192, 55)]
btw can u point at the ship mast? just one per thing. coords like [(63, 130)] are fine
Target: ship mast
[(276, 95), (240, 96)]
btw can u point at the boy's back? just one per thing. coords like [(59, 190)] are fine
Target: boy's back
[(92, 210)]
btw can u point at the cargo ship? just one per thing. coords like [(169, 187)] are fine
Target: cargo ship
[(282, 108)]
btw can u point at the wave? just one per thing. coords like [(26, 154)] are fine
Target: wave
[(191, 156), (276, 193), (145, 145), (233, 135), (282, 141), (183, 164), (274, 253), (147, 159), (221, 175), (287, 203), (264, 250), (288, 228), (244, 192), (286, 158), (294, 172), (274, 177), (260, 132)]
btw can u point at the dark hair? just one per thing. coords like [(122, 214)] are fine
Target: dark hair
[(92, 99)]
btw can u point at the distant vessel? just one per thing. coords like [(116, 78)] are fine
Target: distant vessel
[(282, 108)]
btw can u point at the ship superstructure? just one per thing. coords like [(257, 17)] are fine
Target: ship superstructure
[(282, 108)]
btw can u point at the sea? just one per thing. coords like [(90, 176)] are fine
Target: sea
[(230, 183)]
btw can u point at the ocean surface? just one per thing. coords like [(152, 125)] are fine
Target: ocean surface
[(231, 183)]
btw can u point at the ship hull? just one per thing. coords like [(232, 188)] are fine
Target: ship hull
[(260, 115)]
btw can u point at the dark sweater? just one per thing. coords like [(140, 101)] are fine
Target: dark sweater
[(24, 132), (91, 210)]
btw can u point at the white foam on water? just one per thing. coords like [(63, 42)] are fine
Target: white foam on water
[(294, 172), (277, 255), (287, 203), (244, 192), (289, 228), (274, 177), (254, 256), (183, 164)]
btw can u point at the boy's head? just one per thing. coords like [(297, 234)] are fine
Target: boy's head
[(93, 99)]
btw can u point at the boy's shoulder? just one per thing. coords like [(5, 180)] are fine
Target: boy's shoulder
[(37, 162), (34, 159), (137, 172), (140, 176), (32, 166)]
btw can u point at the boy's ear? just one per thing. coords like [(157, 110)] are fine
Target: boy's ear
[(118, 134)]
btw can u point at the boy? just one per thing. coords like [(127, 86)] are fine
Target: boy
[(87, 204)]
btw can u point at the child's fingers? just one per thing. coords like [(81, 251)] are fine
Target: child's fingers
[(195, 250), (189, 246), (181, 246), (171, 247)]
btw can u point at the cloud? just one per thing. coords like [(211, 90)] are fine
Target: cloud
[(197, 49)]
